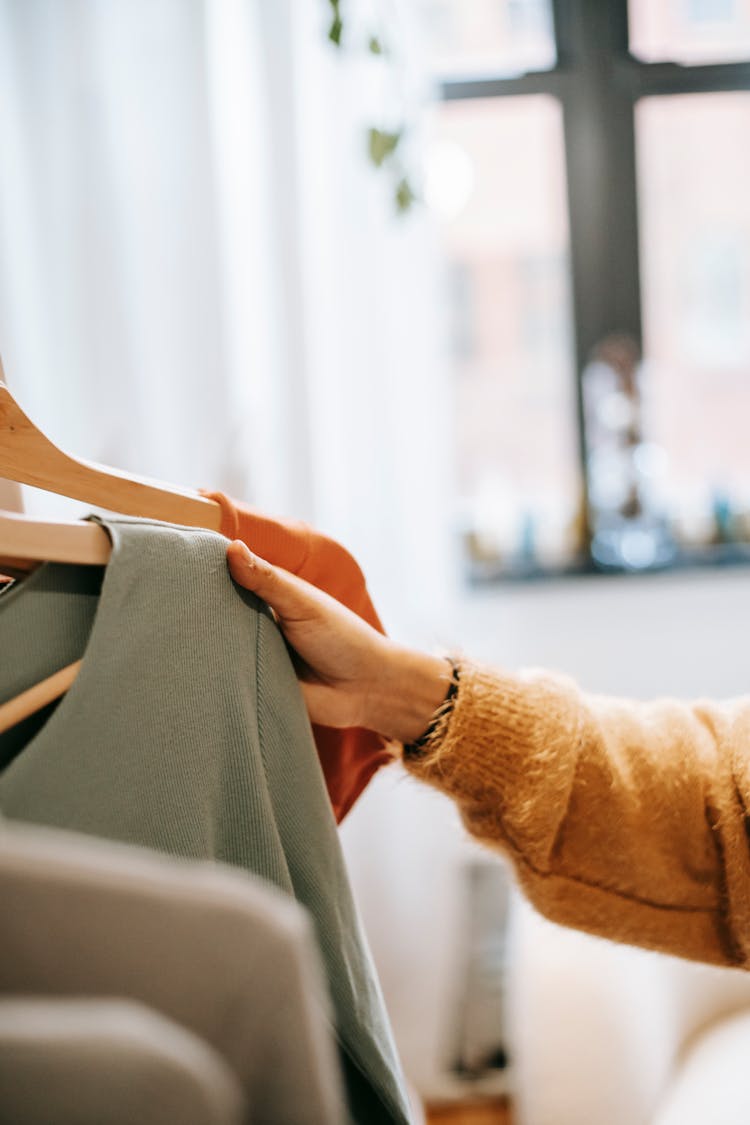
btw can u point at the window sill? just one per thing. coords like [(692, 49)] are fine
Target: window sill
[(718, 556)]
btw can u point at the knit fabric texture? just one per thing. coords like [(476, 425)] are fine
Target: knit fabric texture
[(621, 818), (349, 757), (186, 731)]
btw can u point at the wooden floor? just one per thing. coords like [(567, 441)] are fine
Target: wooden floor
[(472, 1113)]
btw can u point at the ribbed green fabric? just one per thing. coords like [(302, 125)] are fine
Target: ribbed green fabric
[(185, 731)]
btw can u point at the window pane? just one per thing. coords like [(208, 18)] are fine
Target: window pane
[(497, 179), (471, 37), (694, 168), (690, 31)]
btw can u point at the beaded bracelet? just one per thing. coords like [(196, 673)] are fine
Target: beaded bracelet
[(417, 746)]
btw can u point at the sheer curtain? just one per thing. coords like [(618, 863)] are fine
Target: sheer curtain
[(202, 279), (110, 273)]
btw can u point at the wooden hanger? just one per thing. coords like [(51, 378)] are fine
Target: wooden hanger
[(29, 457), (24, 541), (38, 696)]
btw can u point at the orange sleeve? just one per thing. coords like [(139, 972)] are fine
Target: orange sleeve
[(349, 758)]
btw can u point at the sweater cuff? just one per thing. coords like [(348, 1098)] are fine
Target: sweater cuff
[(505, 735)]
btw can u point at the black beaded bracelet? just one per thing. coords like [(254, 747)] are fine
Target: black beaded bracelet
[(417, 746)]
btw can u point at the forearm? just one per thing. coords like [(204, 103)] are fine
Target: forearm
[(621, 818)]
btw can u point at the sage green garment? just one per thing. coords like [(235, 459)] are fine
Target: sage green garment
[(186, 731)]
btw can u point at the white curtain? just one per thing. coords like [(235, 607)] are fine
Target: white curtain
[(110, 326), (202, 279)]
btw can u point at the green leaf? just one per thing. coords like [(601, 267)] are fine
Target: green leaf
[(405, 196), (382, 145), (334, 33), (375, 46)]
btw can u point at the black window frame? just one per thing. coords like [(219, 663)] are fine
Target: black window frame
[(598, 83)]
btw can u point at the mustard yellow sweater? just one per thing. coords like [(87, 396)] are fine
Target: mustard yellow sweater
[(626, 819)]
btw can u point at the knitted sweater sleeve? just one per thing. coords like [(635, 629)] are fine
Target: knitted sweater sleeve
[(625, 819)]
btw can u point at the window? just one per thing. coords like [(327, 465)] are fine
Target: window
[(693, 160), (690, 31), (475, 37), (589, 164), (508, 249)]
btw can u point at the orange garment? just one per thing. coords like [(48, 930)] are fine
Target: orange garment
[(349, 757)]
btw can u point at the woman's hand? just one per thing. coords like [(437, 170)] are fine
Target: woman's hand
[(351, 675)]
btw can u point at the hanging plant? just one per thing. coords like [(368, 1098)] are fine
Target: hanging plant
[(334, 32), (383, 145)]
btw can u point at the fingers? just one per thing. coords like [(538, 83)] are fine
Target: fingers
[(270, 583), (338, 657)]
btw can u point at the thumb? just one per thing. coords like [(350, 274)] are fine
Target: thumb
[(269, 582)]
